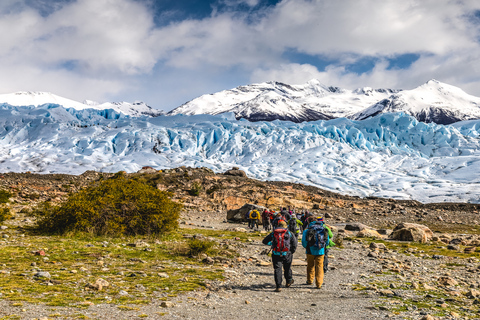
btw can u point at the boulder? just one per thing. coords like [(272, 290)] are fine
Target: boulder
[(411, 232), (355, 226), (369, 233), (239, 214), (235, 172)]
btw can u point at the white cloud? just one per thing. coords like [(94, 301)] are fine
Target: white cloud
[(369, 27), (89, 49)]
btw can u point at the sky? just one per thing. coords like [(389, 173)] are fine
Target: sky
[(168, 52)]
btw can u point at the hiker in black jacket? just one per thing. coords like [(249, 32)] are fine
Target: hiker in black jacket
[(284, 244)]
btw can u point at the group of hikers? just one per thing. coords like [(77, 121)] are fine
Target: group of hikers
[(286, 226)]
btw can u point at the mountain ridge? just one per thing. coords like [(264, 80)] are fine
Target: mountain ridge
[(433, 101)]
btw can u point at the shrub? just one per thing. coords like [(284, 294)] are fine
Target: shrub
[(116, 206), (4, 214), (4, 196), (197, 246), (195, 190)]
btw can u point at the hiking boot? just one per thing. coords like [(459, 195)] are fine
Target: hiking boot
[(278, 289), (289, 283), (308, 283)]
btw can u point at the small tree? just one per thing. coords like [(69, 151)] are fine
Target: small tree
[(117, 206)]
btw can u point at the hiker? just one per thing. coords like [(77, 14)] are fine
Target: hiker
[(285, 214), (284, 244), (315, 239), (253, 218), (305, 222), (294, 226), (277, 219), (266, 219)]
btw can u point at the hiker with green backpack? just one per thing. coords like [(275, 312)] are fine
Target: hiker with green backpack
[(294, 225), (284, 244), (316, 239)]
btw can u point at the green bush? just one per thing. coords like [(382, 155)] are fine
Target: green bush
[(4, 214), (5, 196), (197, 246), (195, 190), (116, 206)]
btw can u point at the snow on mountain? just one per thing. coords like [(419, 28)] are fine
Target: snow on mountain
[(41, 98), (389, 155), (431, 102), (274, 100)]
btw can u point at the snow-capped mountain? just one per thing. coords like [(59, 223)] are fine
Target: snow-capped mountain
[(431, 102), (37, 99), (274, 100)]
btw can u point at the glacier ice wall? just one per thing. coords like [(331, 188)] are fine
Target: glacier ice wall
[(391, 155)]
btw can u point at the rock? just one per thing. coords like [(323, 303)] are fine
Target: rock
[(42, 274), (167, 304), (411, 232), (473, 293), (356, 226), (208, 260), (3, 227), (235, 172), (139, 244), (384, 232), (369, 233), (99, 284), (239, 214), (453, 247), (447, 281), (264, 264), (163, 275), (40, 253), (470, 249), (123, 293), (386, 292)]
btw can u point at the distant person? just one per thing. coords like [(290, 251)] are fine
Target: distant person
[(277, 219), (284, 244), (294, 226), (315, 240), (266, 219), (253, 218)]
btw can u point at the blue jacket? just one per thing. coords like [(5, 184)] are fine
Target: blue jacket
[(312, 249)]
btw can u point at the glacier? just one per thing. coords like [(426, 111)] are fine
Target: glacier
[(390, 155)]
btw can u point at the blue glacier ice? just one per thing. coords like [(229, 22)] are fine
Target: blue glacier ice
[(390, 155)]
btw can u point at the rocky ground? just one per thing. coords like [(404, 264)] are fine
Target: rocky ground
[(369, 277)]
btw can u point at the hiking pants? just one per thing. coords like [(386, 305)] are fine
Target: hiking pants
[(315, 269), (325, 261), (266, 224), (286, 263)]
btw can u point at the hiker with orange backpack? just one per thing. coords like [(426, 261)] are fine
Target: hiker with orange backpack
[(284, 244)]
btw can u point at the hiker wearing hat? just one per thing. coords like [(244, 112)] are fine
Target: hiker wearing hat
[(284, 245), (316, 239)]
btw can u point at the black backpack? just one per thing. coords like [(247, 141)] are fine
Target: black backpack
[(292, 225)]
